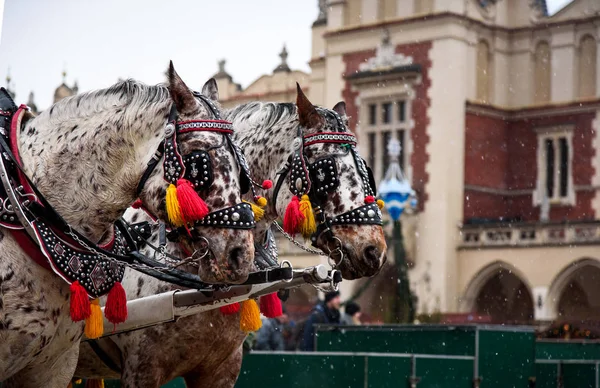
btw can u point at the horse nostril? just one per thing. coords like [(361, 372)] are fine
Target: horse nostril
[(372, 255), (236, 256)]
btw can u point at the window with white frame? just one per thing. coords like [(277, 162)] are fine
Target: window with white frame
[(555, 153), (384, 119)]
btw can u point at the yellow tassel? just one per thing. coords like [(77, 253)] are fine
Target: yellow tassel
[(308, 225), (173, 209), (380, 203), (261, 201), (93, 383), (258, 212), (250, 316), (94, 325), (78, 381)]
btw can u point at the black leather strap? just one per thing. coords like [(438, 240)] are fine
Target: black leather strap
[(104, 357), (45, 210), (283, 173), (272, 275)]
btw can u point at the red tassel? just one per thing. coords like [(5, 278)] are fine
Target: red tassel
[(116, 305), (270, 306), (369, 199), (267, 184), (80, 302), (293, 216), (230, 309), (137, 204), (192, 206)]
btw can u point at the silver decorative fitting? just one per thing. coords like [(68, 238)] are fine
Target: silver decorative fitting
[(235, 216), (297, 143), (371, 213), (169, 129)]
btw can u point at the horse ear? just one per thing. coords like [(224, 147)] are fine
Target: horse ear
[(211, 90), (307, 113), (182, 95), (340, 108)]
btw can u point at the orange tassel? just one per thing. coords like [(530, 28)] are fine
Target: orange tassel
[(270, 305), (94, 324), (116, 305), (94, 383), (250, 316), (230, 309), (80, 303), (293, 218), (192, 206)]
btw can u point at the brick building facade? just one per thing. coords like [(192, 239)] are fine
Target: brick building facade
[(496, 104)]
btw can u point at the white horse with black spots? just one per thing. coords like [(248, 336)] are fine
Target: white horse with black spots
[(206, 349), (86, 155)]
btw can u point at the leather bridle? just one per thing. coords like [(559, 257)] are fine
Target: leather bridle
[(320, 179)]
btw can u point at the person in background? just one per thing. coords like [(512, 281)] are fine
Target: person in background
[(327, 311), (351, 314), (270, 335)]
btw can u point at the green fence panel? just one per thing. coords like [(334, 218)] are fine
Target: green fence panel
[(506, 358), (292, 370), (386, 372), (579, 375), (546, 375), (424, 339), (345, 370), (444, 373), (567, 350)]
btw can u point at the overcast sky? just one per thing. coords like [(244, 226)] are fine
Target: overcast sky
[(99, 41)]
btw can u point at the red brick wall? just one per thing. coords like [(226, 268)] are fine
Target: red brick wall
[(502, 155), (486, 154), (419, 136)]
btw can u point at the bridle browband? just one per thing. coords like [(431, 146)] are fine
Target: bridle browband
[(320, 178)]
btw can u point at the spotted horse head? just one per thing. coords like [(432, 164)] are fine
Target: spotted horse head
[(195, 182), (330, 196)]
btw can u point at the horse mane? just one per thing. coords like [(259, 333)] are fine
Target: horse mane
[(129, 95), (265, 114)]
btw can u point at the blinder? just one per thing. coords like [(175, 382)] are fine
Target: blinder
[(324, 176), (198, 169)]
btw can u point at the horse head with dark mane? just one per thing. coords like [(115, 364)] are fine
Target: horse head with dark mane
[(310, 153), (97, 148), (91, 156)]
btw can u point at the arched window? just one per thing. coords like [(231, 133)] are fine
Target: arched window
[(587, 67), (353, 12), (542, 69), (387, 9), (484, 72)]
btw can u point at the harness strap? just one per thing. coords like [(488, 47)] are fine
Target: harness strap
[(283, 173), (157, 155), (43, 208), (98, 348)]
